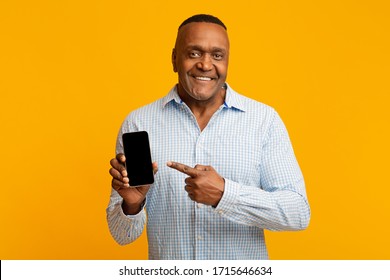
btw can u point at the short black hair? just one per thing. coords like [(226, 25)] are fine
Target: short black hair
[(203, 18)]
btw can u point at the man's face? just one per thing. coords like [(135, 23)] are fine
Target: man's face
[(201, 58)]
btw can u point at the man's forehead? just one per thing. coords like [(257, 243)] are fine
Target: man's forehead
[(202, 31)]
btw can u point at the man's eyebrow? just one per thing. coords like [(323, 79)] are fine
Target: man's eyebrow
[(200, 48)]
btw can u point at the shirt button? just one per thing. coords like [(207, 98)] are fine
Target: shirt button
[(199, 237), (199, 205), (220, 212)]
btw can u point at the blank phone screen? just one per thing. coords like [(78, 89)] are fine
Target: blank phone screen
[(138, 158)]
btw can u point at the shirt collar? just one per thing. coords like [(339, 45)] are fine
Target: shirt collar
[(172, 96), (232, 98)]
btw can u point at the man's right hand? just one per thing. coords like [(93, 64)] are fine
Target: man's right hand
[(132, 197)]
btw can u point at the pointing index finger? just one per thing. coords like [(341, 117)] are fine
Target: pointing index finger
[(183, 168)]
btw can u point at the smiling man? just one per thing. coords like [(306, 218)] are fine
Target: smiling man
[(227, 169), (200, 58)]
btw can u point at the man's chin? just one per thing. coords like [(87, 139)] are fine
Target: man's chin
[(202, 92), (204, 95)]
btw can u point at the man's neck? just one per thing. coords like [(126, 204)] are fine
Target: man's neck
[(203, 110)]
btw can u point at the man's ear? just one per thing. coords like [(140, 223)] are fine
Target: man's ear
[(174, 60)]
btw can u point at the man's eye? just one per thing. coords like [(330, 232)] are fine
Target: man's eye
[(218, 56), (194, 54)]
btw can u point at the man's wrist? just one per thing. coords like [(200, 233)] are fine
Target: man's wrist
[(132, 209)]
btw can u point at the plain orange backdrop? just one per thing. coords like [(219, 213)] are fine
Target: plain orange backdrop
[(70, 71)]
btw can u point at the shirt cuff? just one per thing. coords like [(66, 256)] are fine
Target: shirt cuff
[(135, 216), (229, 198)]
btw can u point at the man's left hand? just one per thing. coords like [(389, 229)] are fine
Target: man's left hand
[(204, 185)]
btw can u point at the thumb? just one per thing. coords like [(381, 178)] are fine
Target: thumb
[(155, 168)]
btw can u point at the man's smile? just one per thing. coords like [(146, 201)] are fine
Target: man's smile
[(202, 78)]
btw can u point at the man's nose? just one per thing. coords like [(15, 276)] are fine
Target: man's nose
[(205, 63)]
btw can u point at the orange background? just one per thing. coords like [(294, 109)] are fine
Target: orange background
[(70, 71)]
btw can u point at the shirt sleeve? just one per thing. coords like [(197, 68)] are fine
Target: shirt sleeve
[(124, 228), (280, 202)]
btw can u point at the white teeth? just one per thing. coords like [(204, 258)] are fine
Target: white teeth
[(203, 78)]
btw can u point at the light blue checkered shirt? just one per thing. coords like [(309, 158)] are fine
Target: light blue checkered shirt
[(247, 143)]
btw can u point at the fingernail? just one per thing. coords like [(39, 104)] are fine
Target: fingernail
[(169, 163)]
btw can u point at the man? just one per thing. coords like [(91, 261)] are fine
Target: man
[(227, 170)]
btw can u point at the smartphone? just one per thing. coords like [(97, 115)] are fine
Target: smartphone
[(138, 158)]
